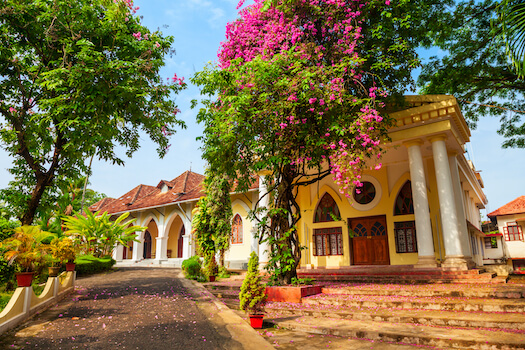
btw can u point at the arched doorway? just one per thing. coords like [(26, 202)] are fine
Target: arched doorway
[(147, 245), (180, 242)]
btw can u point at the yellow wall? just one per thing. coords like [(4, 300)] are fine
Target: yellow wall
[(391, 179), (241, 251), (173, 235), (154, 232)]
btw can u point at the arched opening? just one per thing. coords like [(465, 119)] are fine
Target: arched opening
[(404, 203), (147, 245), (150, 240), (174, 243), (180, 242), (237, 234), (327, 210)]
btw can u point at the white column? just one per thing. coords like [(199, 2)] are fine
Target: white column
[(118, 252), (263, 203), (187, 248), (454, 258), (138, 248), (425, 242), (161, 249), (460, 208), (254, 241)]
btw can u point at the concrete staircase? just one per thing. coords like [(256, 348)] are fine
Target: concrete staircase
[(443, 315)]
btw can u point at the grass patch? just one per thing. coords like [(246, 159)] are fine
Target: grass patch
[(4, 299)]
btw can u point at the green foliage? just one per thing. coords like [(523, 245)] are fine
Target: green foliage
[(192, 267), (7, 272), (253, 292), (4, 299), (211, 267), (88, 264), (223, 272), (302, 281), (78, 78), (62, 249), (511, 18), (25, 248), (475, 67), (98, 235), (219, 209), (7, 227)]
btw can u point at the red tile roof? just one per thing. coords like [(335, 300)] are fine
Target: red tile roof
[(186, 186), (517, 206)]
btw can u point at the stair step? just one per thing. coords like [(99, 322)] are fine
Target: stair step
[(426, 303), (389, 270), (221, 286), (486, 278), (439, 337), (432, 290), (514, 321)]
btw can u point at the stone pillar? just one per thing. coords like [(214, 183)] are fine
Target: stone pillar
[(454, 258), (425, 242), (460, 208), (263, 203), (187, 249)]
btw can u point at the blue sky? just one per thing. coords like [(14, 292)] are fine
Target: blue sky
[(198, 27)]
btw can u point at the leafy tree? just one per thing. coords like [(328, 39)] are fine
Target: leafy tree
[(98, 234), (511, 15), (212, 219), (77, 78), (297, 93), (475, 67)]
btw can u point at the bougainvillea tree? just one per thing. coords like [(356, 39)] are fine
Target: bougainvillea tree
[(297, 94), (77, 78)]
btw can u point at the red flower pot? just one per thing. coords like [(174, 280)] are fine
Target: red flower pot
[(24, 279), (211, 278), (70, 266), (256, 321)]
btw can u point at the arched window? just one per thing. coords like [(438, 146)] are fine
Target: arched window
[(326, 210), (404, 203), (237, 230)]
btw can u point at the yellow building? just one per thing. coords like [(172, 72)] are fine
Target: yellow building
[(421, 208)]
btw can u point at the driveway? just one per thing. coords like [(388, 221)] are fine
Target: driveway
[(134, 308)]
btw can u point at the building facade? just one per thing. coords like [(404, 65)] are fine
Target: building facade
[(510, 219), (421, 208)]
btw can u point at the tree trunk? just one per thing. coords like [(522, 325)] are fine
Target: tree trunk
[(34, 201), (285, 239)]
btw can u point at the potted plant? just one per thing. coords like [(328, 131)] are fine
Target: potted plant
[(253, 296), (26, 250), (62, 251), (211, 268), (68, 253)]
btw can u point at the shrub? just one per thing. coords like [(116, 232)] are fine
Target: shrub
[(192, 267), (253, 292), (223, 272), (88, 264)]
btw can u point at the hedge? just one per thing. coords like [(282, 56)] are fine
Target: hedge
[(88, 264)]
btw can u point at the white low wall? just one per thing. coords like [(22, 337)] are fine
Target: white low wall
[(24, 303)]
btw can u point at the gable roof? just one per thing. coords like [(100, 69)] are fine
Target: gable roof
[(517, 206)]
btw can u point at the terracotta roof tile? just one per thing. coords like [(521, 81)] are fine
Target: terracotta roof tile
[(186, 186), (101, 203), (517, 206)]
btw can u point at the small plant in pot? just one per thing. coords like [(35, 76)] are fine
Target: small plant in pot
[(26, 250), (68, 253), (253, 296)]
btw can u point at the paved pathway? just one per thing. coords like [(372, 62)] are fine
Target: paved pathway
[(134, 308)]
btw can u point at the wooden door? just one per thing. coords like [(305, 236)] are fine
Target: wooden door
[(370, 241), (180, 242), (147, 245)]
